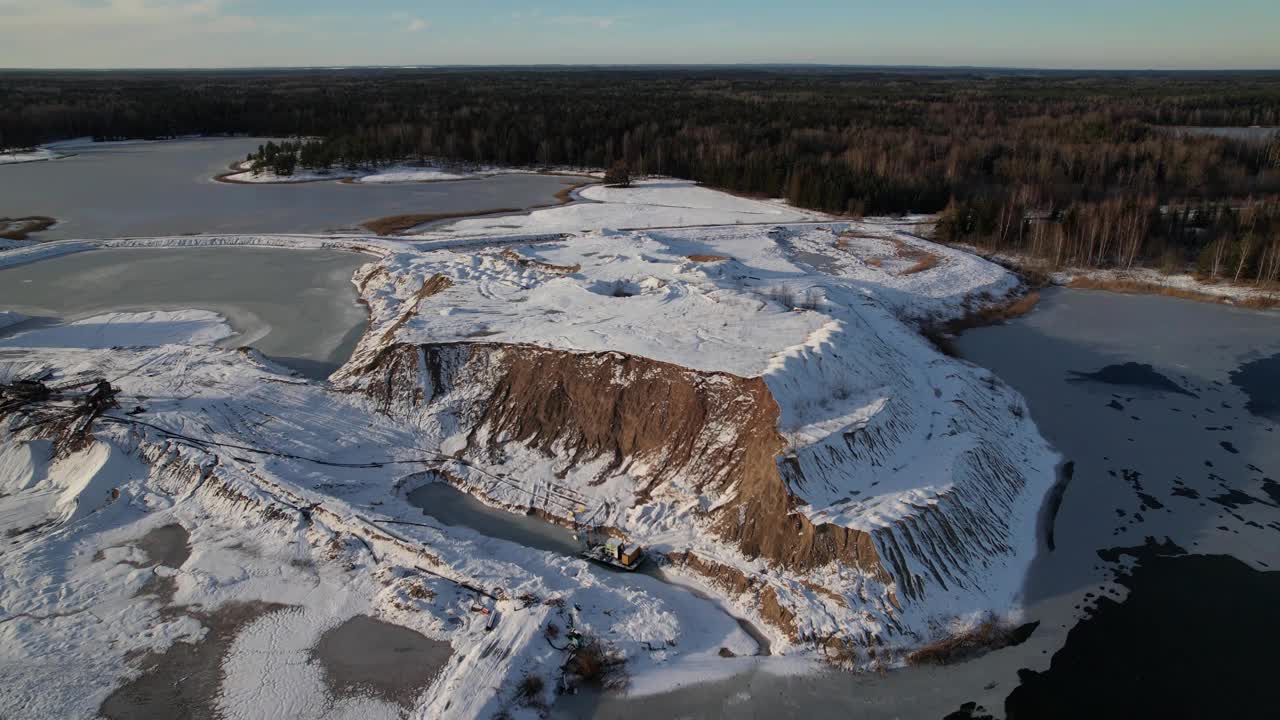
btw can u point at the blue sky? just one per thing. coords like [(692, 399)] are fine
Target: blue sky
[(1032, 33)]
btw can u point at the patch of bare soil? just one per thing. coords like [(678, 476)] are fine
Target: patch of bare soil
[(24, 227), (168, 546), (183, 682), (368, 657), (924, 260), (707, 258), (523, 261), (988, 635), (565, 195), (399, 224)]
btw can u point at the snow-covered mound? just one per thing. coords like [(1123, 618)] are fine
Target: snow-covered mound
[(413, 174), (750, 401), (156, 327), (13, 157), (9, 318), (617, 367), (647, 204)]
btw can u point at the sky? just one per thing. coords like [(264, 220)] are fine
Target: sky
[(1128, 34)]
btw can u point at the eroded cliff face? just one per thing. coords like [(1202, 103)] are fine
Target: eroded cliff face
[(671, 430)]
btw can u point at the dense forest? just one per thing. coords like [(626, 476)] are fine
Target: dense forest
[(1091, 169)]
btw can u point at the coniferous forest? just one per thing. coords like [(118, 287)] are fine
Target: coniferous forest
[(1094, 169)]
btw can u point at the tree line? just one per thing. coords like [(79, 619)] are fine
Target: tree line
[(1078, 168)]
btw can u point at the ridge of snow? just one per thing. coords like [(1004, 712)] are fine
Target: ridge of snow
[(122, 329)]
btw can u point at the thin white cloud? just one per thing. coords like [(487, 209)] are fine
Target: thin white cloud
[(601, 22), (64, 14), (418, 25)]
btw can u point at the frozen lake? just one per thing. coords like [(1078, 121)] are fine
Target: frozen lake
[(167, 188), (296, 306), (1167, 408)]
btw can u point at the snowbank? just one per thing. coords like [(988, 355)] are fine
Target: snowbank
[(125, 329), (412, 174), (8, 318), (13, 157), (647, 204)]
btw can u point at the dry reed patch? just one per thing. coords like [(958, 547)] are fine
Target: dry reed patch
[(23, 227), (941, 333), (1257, 301), (990, 634), (596, 666), (529, 691), (525, 262), (992, 314), (565, 195)]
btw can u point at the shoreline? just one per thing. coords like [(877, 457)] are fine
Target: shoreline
[(1137, 281), (396, 225), (1252, 299), (235, 169), (350, 178), (22, 228)]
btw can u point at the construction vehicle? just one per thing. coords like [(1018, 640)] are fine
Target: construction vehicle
[(611, 551)]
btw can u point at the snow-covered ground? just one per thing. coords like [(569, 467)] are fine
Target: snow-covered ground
[(1227, 291), (13, 157), (292, 491), (403, 175), (647, 204)]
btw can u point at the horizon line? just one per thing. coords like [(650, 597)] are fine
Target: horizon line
[(625, 66)]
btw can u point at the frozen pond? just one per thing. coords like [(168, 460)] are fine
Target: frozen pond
[(1166, 407), (167, 188), (296, 306), (365, 657), (454, 507)]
